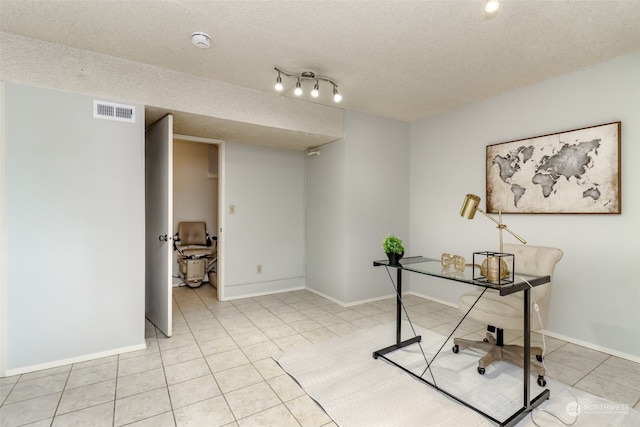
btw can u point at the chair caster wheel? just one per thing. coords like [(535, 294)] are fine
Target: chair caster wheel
[(541, 381), (539, 358), (485, 340), (455, 348), (481, 371)]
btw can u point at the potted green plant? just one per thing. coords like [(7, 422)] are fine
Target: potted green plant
[(393, 247)]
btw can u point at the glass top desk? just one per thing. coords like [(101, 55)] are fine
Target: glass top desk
[(433, 267)]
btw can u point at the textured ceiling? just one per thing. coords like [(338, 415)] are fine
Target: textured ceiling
[(406, 60)]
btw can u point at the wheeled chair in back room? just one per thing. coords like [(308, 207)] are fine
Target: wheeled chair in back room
[(197, 252)]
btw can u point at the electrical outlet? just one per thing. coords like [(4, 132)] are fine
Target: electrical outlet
[(259, 269), (232, 209)]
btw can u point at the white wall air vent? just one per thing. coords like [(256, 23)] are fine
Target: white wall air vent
[(113, 111)]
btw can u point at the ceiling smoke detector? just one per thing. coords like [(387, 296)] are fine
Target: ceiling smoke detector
[(201, 40)]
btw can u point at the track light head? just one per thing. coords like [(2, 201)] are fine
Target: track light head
[(316, 90), (491, 7), (278, 86), (336, 95), (298, 90)]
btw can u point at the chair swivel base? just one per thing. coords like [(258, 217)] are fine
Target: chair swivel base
[(494, 351), (195, 270)]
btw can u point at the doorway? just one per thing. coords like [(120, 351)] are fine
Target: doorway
[(197, 194), (159, 224)]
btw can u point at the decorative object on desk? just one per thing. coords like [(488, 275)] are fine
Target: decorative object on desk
[(393, 247), (453, 274), (458, 263), (446, 259), (576, 171), (456, 260), (495, 267)]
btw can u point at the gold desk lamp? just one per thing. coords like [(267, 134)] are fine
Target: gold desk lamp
[(490, 266)]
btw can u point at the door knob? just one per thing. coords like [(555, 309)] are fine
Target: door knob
[(163, 238)]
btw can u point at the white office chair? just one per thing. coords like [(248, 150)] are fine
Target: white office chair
[(507, 312), (197, 252)]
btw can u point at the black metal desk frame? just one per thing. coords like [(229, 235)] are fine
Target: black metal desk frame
[(406, 264)]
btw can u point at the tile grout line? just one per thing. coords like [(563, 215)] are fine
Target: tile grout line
[(115, 392), (164, 371), (235, 419)]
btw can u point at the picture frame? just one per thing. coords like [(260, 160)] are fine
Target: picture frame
[(570, 172)]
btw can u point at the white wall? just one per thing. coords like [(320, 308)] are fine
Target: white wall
[(357, 193), (73, 229), (195, 194), (266, 187), (326, 221), (596, 294), (377, 199)]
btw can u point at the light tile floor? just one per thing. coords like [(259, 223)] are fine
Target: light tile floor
[(217, 369)]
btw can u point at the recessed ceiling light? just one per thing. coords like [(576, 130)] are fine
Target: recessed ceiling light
[(201, 40)]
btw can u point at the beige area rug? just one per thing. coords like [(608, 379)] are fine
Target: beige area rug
[(358, 391)]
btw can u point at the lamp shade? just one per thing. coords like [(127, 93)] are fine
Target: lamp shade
[(469, 206)]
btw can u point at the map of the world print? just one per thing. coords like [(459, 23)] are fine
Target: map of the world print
[(569, 172)]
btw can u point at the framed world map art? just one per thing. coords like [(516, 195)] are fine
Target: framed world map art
[(576, 171)]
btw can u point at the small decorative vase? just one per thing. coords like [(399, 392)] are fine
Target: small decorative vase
[(394, 259), (494, 268)]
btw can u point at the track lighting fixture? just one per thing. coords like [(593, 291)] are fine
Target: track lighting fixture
[(303, 76)]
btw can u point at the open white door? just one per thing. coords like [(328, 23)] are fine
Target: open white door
[(159, 205)]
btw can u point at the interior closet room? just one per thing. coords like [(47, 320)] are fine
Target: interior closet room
[(195, 191)]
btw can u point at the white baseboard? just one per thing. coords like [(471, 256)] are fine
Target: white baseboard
[(333, 300), (592, 346), (439, 301), (370, 300), (78, 359), (262, 293), (351, 304)]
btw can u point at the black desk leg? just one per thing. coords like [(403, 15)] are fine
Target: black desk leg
[(528, 405), (399, 307), (399, 344), (527, 345)]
